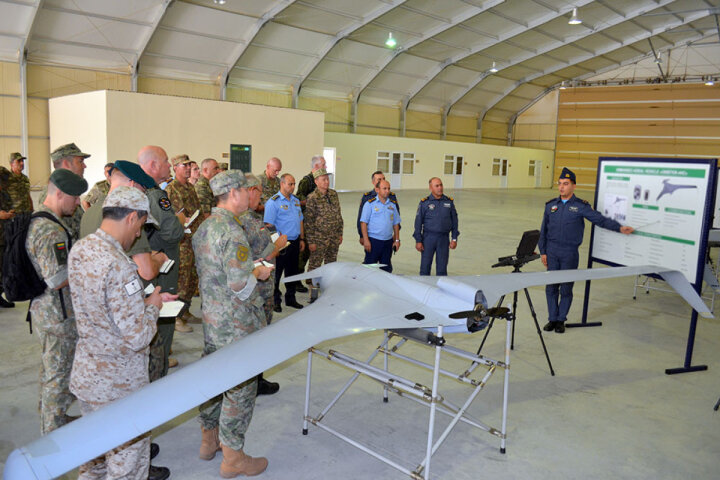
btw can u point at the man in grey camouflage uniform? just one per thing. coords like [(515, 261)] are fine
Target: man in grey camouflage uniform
[(270, 181), (209, 168), (115, 324), (262, 247), (232, 308), (69, 157), (323, 222), (18, 185), (99, 191), (47, 245)]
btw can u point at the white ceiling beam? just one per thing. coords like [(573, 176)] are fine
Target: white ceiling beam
[(145, 42), (93, 46), (676, 23), (168, 28), (70, 11)]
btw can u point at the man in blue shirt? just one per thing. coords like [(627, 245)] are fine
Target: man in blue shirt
[(283, 212), (380, 227), (561, 234), (374, 178), (435, 219)]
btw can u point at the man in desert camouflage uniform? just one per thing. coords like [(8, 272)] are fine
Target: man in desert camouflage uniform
[(262, 247), (305, 188), (232, 308), (18, 185), (100, 190), (69, 157), (115, 324), (323, 222), (270, 181), (208, 169), (6, 213), (185, 201), (47, 245)]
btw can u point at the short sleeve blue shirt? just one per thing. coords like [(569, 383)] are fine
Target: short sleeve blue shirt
[(285, 214), (380, 218)]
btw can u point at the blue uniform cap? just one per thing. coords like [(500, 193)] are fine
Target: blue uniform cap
[(567, 173)]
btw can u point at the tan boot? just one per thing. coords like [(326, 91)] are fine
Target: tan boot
[(172, 362), (235, 463), (190, 318), (181, 326), (210, 443)]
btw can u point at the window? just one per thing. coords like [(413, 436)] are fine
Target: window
[(396, 163), (496, 167), (383, 162), (531, 168), (408, 163), (453, 165)]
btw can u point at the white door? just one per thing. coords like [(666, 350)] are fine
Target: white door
[(395, 170), (458, 172), (329, 154), (503, 173), (538, 173)]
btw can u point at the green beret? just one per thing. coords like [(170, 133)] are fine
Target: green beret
[(134, 172), (68, 182)]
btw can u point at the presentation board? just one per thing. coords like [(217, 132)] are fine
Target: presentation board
[(669, 202)]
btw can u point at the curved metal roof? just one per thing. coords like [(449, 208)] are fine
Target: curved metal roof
[(336, 48)]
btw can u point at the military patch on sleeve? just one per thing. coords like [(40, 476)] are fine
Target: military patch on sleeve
[(61, 253), (133, 287), (242, 253), (164, 203)]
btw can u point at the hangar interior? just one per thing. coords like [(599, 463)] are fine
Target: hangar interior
[(488, 85)]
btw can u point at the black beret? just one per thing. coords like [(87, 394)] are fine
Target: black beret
[(68, 182), (134, 172)]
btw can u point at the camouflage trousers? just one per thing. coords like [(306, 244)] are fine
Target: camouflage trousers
[(326, 251), (160, 349), (58, 352), (268, 308), (129, 461), (232, 412), (187, 274)]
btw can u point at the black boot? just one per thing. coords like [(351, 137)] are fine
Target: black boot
[(158, 473), (265, 387), (4, 303)]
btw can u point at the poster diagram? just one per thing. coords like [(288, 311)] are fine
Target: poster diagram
[(664, 202)]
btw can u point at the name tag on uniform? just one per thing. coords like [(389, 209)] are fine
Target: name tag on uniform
[(573, 209), (133, 287), (284, 207), (447, 205)]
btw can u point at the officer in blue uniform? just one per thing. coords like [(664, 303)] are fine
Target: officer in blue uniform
[(435, 219), (561, 234), (283, 211), (380, 226), (375, 178)]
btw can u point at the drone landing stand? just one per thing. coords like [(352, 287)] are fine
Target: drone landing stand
[(424, 395)]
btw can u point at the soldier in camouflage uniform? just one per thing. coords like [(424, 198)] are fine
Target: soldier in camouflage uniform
[(262, 247), (100, 190), (323, 222), (6, 213), (47, 245), (18, 185), (69, 157), (209, 168), (115, 324), (305, 188), (232, 308), (223, 166), (270, 181), (183, 197)]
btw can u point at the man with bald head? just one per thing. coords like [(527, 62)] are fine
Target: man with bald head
[(208, 169), (436, 229), (269, 181), (380, 227)]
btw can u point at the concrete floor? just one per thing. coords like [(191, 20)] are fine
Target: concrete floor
[(610, 411)]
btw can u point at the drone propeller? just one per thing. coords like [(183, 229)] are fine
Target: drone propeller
[(477, 319)]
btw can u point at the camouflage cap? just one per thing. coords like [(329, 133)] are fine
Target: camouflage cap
[(223, 166), (68, 182), (67, 150), (252, 180), (134, 172), (180, 159), (320, 172), (16, 156), (223, 182), (132, 198)]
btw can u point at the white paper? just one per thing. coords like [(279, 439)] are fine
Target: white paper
[(192, 219), (171, 309)]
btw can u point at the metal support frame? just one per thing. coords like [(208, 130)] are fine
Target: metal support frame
[(415, 391)]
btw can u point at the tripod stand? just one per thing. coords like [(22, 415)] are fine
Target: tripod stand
[(516, 269)]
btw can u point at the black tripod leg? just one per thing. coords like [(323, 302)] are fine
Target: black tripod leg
[(512, 338), (539, 332), (489, 327), (717, 405)]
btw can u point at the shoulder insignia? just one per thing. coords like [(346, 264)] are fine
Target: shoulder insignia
[(392, 193), (164, 203), (275, 197), (451, 199), (61, 253), (551, 200), (372, 200), (423, 199), (242, 253), (583, 201), (367, 193)]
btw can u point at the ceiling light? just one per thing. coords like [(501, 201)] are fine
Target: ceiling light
[(390, 42), (493, 69), (658, 60), (219, 2), (562, 85), (709, 82), (574, 20)]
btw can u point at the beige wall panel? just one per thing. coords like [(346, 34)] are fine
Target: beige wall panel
[(494, 132), (10, 78), (543, 111), (56, 81), (38, 117), (422, 124), (357, 159), (38, 162), (258, 97), (8, 146), (379, 116), (178, 88), (336, 112), (10, 116), (385, 131), (463, 129)]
